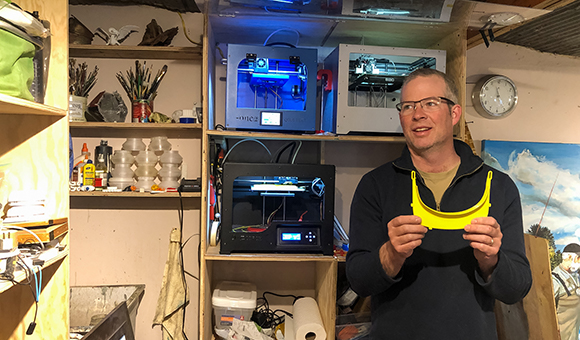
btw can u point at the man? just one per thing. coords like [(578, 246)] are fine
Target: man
[(567, 292), (436, 284)]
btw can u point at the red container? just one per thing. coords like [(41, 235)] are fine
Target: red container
[(141, 110)]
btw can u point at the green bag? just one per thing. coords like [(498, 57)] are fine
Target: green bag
[(16, 65)]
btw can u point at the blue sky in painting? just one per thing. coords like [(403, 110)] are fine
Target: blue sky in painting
[(536, 168)]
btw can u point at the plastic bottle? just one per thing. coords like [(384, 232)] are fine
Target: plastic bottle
[(101, 175), (89, 173), (85, 154), (105, 150), (77, 175)]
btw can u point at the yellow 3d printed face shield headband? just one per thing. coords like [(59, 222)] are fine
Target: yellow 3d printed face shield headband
[(434, 219)]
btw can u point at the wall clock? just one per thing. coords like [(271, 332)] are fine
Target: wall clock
[(494, 96)]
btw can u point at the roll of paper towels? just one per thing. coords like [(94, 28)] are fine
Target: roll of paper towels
[(307, 321)]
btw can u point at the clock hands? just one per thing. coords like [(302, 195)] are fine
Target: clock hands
[(499, 96)]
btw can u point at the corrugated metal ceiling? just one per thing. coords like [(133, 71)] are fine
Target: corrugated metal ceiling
[(555, 32)]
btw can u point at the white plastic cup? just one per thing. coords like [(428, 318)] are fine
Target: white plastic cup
[(122, 157), (146, 157), (145, 171), (170, 157), (159, 144), (134, 145)]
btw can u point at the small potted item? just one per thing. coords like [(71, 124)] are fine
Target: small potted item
[(80, 84), (141, 89)]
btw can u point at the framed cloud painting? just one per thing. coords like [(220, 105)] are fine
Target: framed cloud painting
[(548, 178)]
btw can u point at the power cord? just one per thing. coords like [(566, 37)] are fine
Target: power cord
[(265, 317), (185, 31), (181, 245), (35, 292), (38, 285)]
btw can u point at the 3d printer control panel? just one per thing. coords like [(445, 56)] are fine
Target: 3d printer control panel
[(298, 236)]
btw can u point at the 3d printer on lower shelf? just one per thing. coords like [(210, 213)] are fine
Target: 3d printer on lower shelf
[(277, 208)]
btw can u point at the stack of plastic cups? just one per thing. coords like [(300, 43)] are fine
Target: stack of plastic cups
[(146, 171), (122, 174), (170, 173)]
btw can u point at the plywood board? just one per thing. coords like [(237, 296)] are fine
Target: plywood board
[(534, 318)]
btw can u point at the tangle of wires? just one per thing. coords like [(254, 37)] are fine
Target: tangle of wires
[(220, 157), (30, 273), (265, 317)]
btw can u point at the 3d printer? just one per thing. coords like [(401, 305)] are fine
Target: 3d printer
[(369, 81), (277, 208), (271, 88)]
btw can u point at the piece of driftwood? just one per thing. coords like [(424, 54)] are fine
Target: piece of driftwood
[(155, 36), (79, 33)]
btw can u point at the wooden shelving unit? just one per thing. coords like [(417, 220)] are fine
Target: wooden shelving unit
[(320, 272), (34, 144), (152, 216), (135, 52)]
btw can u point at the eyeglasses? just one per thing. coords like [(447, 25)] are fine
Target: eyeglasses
[(430, 104)]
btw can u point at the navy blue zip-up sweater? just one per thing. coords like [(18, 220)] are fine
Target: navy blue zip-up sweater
[(438, 294)]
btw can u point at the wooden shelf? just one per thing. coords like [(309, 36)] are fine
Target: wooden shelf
[(135, 52), (310, 137), (133, 126), (212, 253), (16, 106), (133, 194), (144, 130), (21, 119), (20, 275)]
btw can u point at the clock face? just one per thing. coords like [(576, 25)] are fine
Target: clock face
[(495, 96)]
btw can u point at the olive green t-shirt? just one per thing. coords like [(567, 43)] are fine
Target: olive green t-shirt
[(438, 182)]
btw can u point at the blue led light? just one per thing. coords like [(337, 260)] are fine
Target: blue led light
[(291, 236)]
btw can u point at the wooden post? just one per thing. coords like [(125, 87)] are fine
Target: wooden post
[(534, 317)]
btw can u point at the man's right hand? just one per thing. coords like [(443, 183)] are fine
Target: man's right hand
[(405, 234)]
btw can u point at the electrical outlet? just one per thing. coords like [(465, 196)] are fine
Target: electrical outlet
[(6, 244)]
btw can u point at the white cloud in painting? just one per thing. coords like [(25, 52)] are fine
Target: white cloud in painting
[(491, 161), (539, 174)]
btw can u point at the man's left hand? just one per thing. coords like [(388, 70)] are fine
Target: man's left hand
[(484, 235)]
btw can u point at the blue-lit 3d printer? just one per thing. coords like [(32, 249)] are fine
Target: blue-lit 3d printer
[(271, 88), (277, 208)]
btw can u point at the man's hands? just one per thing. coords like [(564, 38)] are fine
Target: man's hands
[(484, 235), (405, 234)]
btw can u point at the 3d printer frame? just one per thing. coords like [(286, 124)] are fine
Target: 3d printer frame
[(271, 88), (366, 86), (277, 208)]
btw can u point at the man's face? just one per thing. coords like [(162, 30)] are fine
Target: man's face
[(575, 265), (424, 131), (571, 262)]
